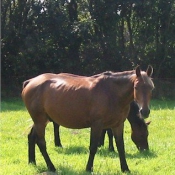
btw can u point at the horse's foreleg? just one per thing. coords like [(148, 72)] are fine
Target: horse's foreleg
[(31, 146), (118, 135), (110, 135), (57, 139), (94, 139)]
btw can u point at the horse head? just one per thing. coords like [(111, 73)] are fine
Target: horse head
[(139, 135), (143, 87)]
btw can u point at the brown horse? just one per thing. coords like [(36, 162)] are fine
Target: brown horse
[(139, 130), (97, 102)]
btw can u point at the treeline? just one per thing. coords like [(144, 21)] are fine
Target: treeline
[(86, 37)]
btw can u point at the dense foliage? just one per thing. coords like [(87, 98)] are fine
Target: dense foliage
[(86, 37)]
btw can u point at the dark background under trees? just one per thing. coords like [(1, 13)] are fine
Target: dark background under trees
[(86, 37)]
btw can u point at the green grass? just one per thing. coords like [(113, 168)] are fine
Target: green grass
[(72, 159)]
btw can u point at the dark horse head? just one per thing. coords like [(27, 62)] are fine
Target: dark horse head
[(143, 87), (139, 128)]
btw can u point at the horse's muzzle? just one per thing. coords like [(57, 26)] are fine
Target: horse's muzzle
[(143, 149), (145, 113)]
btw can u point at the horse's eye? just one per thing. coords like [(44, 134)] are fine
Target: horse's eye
[(136, 88)]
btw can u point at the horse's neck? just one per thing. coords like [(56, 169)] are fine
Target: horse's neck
[(120, 85), (135, 120), (126, 83)]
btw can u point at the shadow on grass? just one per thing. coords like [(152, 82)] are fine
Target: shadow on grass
[(68, 170), (61, 170), (72, 150), (65, 169), (145, 154), (104, 152)]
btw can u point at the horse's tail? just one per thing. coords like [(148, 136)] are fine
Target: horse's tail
[(25, 83), (27, 130)]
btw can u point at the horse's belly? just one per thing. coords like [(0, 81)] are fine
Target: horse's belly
[(70, 115), (73, 120), (72, 123)]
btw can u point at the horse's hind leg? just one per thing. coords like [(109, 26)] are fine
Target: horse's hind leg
[(57, 139), (102, 138), (110, 135), (40, 140), (31, 146)]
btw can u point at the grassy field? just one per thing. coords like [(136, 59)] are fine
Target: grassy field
[(72, 159)]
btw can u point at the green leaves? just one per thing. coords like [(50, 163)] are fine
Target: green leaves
[(86, 37)]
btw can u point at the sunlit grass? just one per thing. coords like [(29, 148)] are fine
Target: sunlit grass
[(72, 158)]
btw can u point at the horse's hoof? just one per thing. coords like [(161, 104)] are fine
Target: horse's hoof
[(126, 170), (32, 162), (89, 169), (52, 168), (111, 150), (60, 146)]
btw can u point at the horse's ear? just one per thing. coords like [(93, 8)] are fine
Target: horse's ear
[(149, 71), (148, 122), (138, 71)]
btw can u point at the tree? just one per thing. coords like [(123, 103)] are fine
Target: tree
[(86, 37)]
